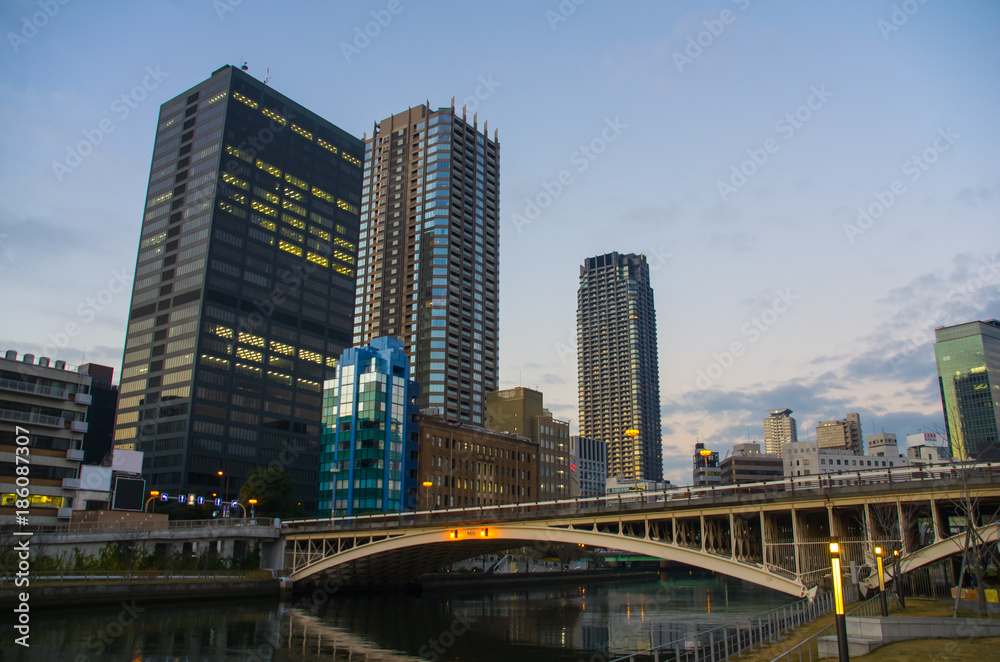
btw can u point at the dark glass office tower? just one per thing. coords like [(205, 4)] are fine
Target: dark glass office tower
[(968, 361), (244, 287), (619, 377), (428, 270)]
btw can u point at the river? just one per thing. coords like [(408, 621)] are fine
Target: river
[(551, 622)]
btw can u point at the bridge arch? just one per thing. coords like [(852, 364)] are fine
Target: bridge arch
[(383, 553)]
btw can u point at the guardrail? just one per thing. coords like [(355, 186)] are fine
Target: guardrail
[(808, 650), (680, 496), (119, 527), (718, 643), (138, 576)]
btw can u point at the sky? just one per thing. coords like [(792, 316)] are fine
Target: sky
[(814, 185)]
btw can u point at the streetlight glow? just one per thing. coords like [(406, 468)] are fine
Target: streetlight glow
[(838, 597)]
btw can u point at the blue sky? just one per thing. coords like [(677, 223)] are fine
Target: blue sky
[(731, 142)]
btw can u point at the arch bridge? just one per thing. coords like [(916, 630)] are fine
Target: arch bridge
[(774, 534)]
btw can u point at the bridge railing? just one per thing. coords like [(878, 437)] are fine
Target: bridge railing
[(641, 500), (119, 527), (136, 576)]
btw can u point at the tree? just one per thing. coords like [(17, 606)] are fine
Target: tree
[(272, 487)]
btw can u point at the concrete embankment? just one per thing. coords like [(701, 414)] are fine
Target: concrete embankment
[(70, 594)]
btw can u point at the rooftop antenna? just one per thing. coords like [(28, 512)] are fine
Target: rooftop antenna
[(244, 67), (267, 76)]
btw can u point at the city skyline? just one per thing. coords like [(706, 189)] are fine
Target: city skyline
[(780, 166)]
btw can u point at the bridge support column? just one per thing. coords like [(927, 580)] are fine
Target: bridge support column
[(703, 536), (732, 537), (936, 519), (796, 540)]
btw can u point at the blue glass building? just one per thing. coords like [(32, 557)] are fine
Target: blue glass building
[(368, 448)]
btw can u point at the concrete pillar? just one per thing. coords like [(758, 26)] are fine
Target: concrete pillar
[(795, 540)]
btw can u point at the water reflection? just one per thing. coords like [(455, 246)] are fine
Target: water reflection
[(557, 622)]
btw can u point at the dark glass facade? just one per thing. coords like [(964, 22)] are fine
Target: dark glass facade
[(244, 287), (968, 362), (428, 269), (618, 372)]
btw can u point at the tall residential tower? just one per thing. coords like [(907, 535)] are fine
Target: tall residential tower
[(428, 269), (779, 429), (617, 364), (244, 287), (968, 361)]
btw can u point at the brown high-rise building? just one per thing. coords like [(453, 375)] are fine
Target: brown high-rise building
[(844, 434), (428, 268), (617, 364), (521, 411)]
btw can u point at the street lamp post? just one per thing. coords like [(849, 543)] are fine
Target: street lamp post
[(881, 583), (838, 598), (252, 502), (152, 495), (897, 578)]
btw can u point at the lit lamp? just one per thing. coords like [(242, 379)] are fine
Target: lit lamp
[(881, 583), (152, 495), (427, 494), (838, 598), (252, 502)]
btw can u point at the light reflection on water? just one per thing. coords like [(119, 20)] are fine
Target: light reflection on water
[(553, 622)]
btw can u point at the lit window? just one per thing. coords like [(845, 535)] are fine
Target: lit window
[(302, 132)]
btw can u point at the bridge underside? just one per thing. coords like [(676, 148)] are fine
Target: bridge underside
[(401, 566)]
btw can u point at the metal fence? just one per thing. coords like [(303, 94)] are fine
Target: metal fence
[(718, 643), (808, 650)]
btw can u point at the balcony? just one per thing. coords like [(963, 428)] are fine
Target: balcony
[(71, 483), (74, 454), (83, 398), (64, 513), (79, 426), (28, 387), (25, 417)]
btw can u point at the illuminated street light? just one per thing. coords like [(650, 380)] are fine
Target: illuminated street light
[(838, 597), (881, 583), (252, 502), (152, 495)]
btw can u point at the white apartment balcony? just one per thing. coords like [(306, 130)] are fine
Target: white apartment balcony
[(71, 483), (79, 426), (75, 454), (64, 513), (83, 399)]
